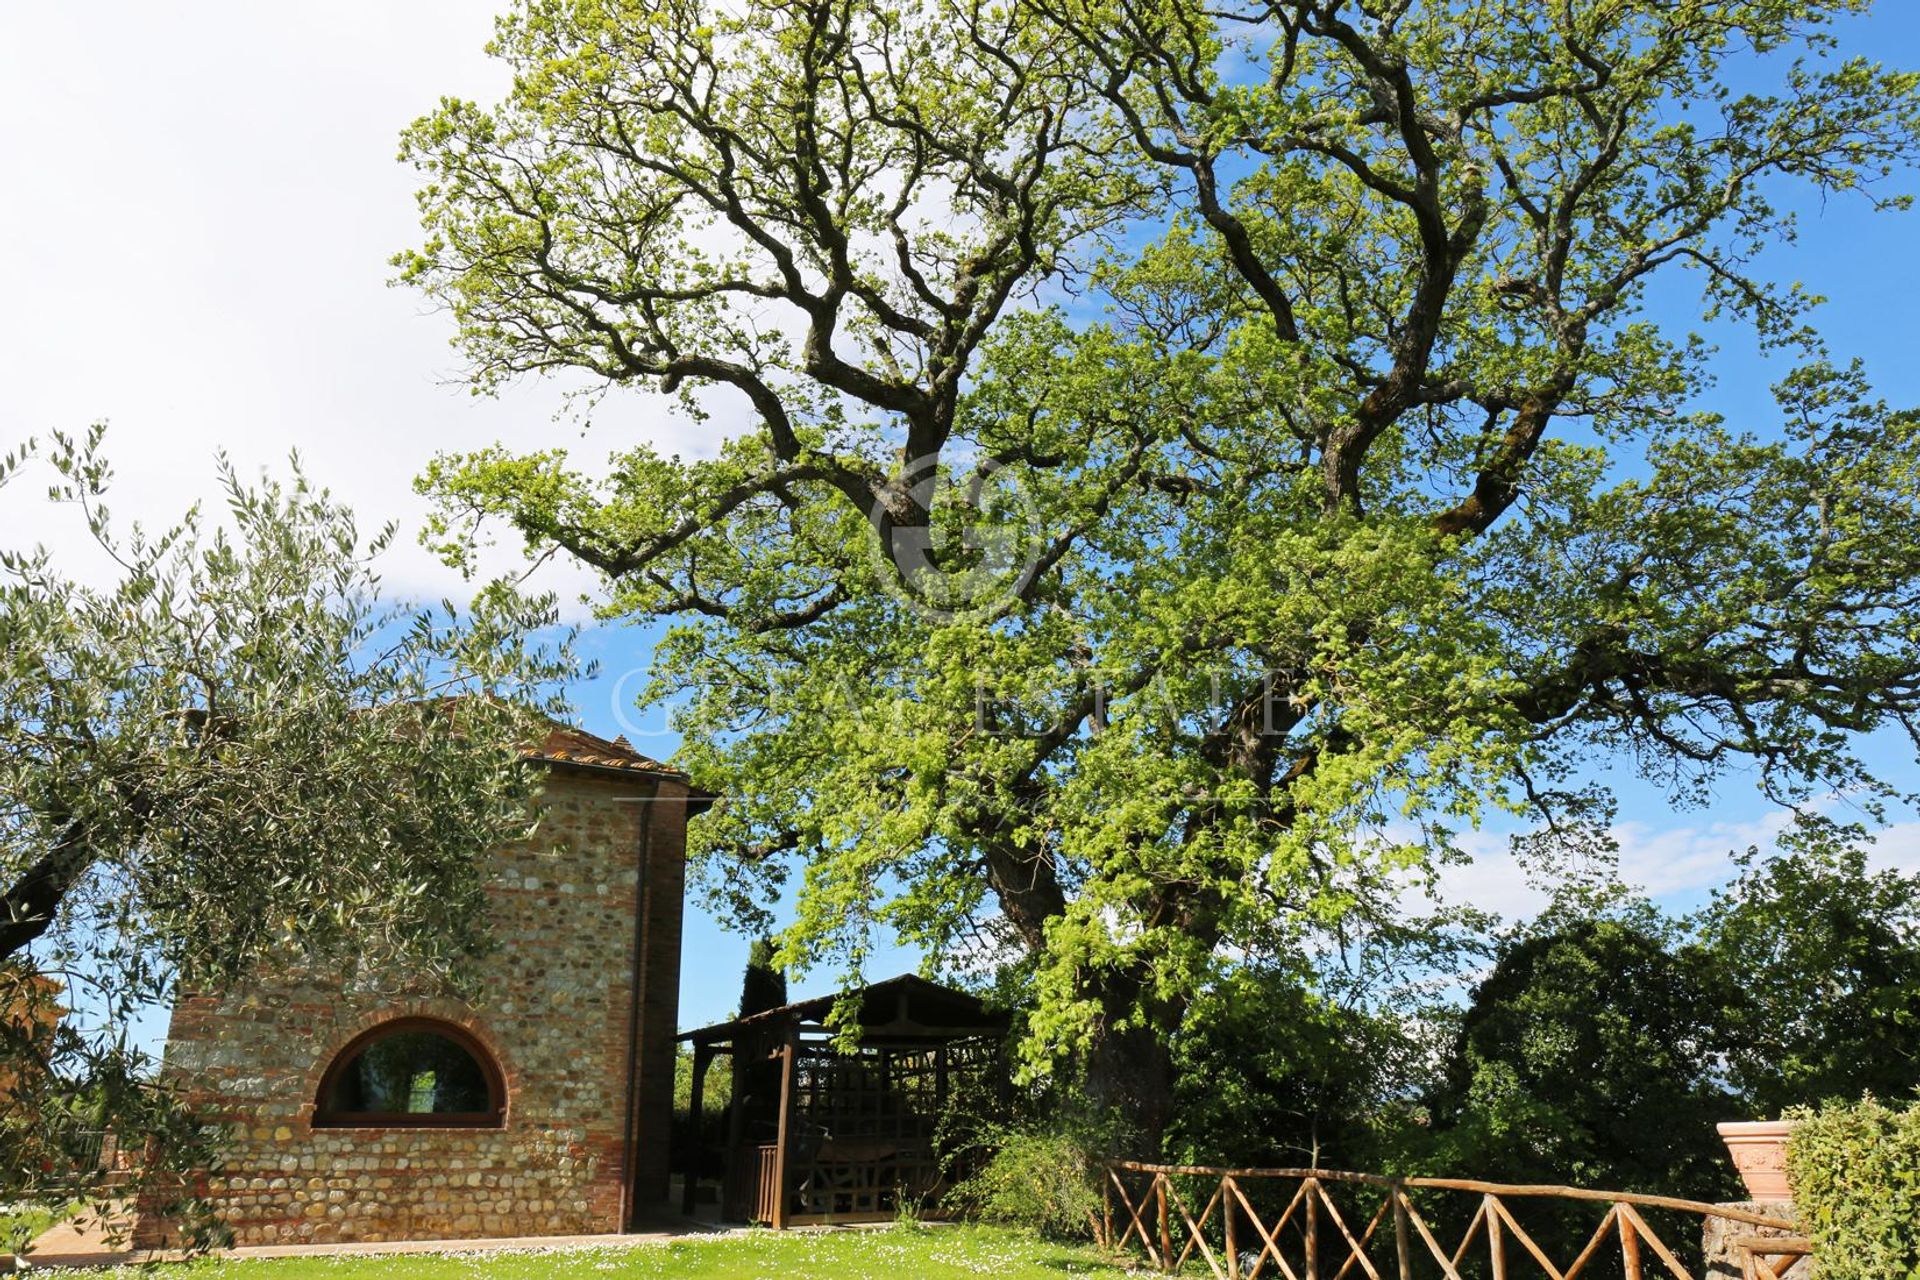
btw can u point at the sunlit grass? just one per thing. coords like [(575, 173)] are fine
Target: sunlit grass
[(907, 1252), (24, 1224)]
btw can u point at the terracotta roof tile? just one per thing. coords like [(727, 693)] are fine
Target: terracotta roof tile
[(565, 744)]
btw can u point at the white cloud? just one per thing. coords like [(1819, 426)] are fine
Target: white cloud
[(1898, 848), (1493, 881), (1677, 861), (201, 202), (1677, 866)]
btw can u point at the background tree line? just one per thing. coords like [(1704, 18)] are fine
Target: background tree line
[(1599, 1043)]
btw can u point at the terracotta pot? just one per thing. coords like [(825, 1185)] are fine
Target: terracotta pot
[(1759, 1151)]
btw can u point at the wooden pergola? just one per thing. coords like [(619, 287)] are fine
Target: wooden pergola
[(822, 1131)]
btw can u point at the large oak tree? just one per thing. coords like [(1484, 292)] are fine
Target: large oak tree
[(1174, 462)]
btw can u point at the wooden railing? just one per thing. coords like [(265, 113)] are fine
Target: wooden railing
[(1381, 1232), (752, 1187)]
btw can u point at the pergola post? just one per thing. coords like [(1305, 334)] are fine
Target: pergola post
[(690, 1180), (784, 1139), (736, 1121)]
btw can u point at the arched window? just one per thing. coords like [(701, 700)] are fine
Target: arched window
[(412, 1073)]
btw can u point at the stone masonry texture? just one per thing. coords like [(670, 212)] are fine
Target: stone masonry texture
[(553, 1008), (1725, 1261)]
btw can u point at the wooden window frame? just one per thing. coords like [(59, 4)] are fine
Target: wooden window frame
[(495, 1117)]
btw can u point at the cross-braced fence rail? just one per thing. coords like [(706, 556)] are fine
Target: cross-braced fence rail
[(1317, 1224)]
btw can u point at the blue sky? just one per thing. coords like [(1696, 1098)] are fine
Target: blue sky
[(201, 202)]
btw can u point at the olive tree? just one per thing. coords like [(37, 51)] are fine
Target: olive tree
[(223, 749)]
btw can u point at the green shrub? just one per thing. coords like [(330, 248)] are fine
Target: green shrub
[(1855, 1169), (1045, 1181)]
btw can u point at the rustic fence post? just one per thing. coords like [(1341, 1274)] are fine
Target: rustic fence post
[(1403, 1247), (1496, 1241), (1166, 1233), (1629, 1247), (1106, 1209), (1228, 1189), (1313, 1229)]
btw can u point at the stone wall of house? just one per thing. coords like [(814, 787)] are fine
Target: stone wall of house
[(553, 1008)]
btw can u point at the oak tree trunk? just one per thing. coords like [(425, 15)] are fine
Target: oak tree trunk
[(1129, 1069)]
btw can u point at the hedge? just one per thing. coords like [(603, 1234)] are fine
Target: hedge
[(1855, 1170)]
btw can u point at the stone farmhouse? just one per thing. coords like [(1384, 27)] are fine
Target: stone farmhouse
[(362, 1109)]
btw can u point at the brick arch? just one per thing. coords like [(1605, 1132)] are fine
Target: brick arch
[(347, 1030)]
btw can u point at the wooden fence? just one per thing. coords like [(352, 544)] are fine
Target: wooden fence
[(1316, 1224)]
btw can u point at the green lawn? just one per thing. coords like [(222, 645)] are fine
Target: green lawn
[(28, 1223), (909, 1253)]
